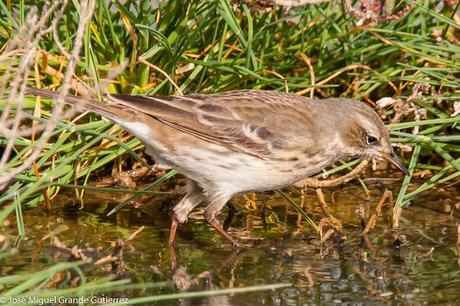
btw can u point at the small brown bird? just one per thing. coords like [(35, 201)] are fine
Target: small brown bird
[(239, 141)]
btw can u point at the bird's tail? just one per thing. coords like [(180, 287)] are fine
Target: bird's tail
[(79, 102)]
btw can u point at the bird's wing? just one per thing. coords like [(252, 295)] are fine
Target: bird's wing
[(260, 123)]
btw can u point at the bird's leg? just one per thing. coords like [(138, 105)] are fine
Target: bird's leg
[(193, 197), (215, 224), (214, 207)]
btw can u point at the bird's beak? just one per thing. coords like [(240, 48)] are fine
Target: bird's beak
[(395, 160)]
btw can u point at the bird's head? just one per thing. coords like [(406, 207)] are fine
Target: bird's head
[(364, 134)]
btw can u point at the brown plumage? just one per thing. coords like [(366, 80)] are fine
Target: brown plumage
[(238, 141)]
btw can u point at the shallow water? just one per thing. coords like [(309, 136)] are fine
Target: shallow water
[(422, 270)]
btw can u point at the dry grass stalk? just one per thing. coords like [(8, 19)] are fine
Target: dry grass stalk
[(387, 194), (361, 214), (458, 243), (36, 29), (135, 233), (396, 218), (391, 204), (322, 202), (316, 183), (143, 61), (329, 221)]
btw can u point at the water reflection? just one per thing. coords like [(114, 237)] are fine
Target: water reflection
[(420, 269)]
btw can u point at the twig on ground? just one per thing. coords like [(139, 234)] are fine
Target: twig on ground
[(135, 233), (316, 183)]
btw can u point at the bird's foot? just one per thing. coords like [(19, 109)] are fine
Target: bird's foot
[(221, 231)]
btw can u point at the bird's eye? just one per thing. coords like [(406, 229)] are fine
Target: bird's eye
[(371, 140)]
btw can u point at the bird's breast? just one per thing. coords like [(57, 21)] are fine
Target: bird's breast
[(220, 170)]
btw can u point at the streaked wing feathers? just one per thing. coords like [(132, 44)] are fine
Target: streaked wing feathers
[(224, 119)]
